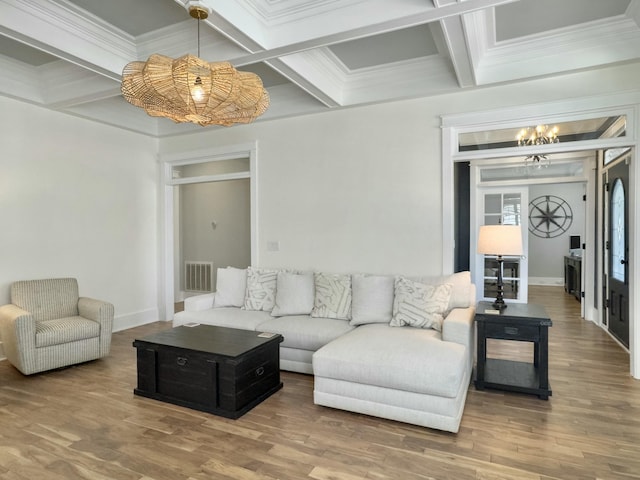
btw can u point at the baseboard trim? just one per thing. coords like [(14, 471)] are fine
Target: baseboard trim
[(544, 281), (135, 319)]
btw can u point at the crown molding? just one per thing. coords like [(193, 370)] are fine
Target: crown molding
[(59, 30), (64, 85), (589, 45), (19, 80), (382, 83)]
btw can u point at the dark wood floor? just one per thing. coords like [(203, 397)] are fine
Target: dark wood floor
[(85, 423)]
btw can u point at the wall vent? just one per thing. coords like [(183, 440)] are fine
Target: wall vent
[(198, 276)]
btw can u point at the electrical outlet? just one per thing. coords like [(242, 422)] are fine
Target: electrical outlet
[(273, 246)]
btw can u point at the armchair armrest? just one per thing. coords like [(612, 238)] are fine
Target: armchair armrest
[(18, 333), (199, 302), (101, 312), (96, 310)]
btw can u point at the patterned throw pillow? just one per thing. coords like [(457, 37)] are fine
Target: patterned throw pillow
[(419, 305), (261, 289), (333, 296)]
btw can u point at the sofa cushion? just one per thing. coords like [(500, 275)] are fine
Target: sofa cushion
[(231, 285), (461, 296), (294, 294), (372, 299), (305, 332), (332, 296), (409, 359), (261, 289), (419, 305), (232, 317)]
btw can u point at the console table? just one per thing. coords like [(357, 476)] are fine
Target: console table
[(572, 276), (519, 322)]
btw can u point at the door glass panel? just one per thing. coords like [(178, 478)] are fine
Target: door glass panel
[(502, 209), (511, 209), (215, 167), (493, 209), (617, 232)]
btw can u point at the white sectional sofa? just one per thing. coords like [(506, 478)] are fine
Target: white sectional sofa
[(388, 346)]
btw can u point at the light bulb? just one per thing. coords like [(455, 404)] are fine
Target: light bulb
[(197, 92)]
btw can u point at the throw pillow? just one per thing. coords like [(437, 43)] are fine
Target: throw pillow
[(419, 305), (261, 289), (333, 296), (231, 284), (294, 294), (372, 299)]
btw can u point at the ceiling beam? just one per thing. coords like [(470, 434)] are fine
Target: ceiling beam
[(427, 16)]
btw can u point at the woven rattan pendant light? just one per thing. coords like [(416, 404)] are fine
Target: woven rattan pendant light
[(189, 89)]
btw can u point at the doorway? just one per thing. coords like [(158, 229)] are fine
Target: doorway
[(214, 231), (474, 137), (221, 164)]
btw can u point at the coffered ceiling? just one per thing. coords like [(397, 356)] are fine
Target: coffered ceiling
[(312, 55)]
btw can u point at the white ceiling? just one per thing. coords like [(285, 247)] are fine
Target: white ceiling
[(313, 55)]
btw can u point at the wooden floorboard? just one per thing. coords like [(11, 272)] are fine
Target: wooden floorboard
[(84, 422)]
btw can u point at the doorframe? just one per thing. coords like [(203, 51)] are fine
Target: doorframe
[(168, 183), (627, 103)]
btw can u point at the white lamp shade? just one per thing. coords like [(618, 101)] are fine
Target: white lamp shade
[(500, 240)]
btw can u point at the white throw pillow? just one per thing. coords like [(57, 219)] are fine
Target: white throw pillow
[(332, 296), (261, 289), (294, 294), (231, 285), (419, 305), (372, 299)]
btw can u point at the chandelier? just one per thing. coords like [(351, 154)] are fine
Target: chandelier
[(189, 89), (540, 135), (536, 161)]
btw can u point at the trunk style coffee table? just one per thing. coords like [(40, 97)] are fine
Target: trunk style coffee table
[(224, 371)]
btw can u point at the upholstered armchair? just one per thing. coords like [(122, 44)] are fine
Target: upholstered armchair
[(47, 325)]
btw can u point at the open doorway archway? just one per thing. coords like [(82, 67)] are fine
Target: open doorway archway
[(484, 123), (183, 162)]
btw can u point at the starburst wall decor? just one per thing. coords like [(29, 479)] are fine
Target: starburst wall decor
[(549, 216)]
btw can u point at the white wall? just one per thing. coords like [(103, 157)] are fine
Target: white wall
[(79, 199), (342, 191), (546, 255), (360, 189)]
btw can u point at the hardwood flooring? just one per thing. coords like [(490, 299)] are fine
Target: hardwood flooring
[(84, 422)]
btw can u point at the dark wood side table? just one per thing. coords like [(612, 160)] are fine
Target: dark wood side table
[(520, 322)]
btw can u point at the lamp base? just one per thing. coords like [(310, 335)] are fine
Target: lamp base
[(499, 304)]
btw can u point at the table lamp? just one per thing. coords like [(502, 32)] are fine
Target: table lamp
[(500, 240)]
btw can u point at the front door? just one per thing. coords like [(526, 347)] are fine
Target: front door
[(618, 251)]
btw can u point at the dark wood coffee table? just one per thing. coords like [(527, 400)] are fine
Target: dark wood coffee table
[(224, 371)]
